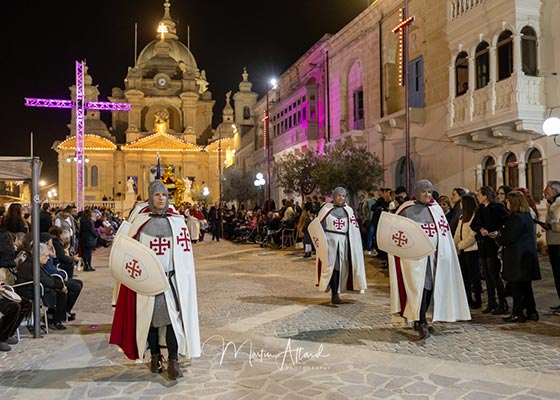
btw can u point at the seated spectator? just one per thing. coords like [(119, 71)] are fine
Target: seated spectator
[(273, 228), (55, 291), (11, 312), (61, 244), (73, 285), (249, 225)]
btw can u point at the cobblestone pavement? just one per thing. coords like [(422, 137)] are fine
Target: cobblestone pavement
[(269, 333)]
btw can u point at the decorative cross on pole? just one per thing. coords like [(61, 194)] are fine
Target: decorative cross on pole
[(80, 105), (402, 30)]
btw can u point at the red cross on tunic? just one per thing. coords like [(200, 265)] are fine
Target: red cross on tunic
[(399, 238), (183, 240), (339, 223), (443, 225), (354, 221), (133, 269), (159, 245), (430, 229)]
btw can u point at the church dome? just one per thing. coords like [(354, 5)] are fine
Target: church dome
[(178, 53), (166, 53)]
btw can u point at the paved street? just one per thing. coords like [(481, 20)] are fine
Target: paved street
[(269, 333)]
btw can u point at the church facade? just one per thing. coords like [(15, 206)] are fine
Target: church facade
[(170, 120)]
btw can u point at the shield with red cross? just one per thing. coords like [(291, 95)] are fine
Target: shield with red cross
[(402, 237), (136, 266)]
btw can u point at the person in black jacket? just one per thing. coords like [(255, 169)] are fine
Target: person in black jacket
[(55, 291), (521, 263), (88, 238), (65, 261), (489, 218)]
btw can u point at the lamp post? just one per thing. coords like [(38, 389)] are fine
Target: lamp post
[(267, 138), (259, 182), (551, 127)]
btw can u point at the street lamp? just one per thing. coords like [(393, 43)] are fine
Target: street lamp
[(551, 127), (259, 182), (267, 138)]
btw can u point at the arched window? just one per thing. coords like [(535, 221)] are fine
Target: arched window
[(401, 173), (529, 51), (534, 172), (505, 55), (461, 74), (246, 112), (482, 65), (511, 172), (94, 176), (489, 177)]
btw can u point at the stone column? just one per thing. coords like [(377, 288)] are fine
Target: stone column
[(521, 167)]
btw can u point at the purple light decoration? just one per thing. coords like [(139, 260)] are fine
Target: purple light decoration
[(80, 105)]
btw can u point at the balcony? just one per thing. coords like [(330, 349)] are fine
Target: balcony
[(506, 112)]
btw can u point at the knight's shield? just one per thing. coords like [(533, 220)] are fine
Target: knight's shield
[(402, 237), (136, 266), (319, 239)]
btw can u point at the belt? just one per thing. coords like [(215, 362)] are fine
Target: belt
[(338, 233)]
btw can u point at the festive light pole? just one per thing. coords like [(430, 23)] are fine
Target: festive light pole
[(402, 30), (267, 140), (80, 105)]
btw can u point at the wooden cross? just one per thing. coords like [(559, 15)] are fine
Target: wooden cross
[(400, 29)]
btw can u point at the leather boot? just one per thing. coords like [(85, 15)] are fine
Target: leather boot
[(173, 370), (156, 364), (335, 299)]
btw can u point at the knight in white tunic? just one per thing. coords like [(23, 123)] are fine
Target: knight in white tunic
[(170, 317), (343, 269), (415, 281)]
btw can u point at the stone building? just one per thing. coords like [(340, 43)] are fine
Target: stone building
[(483, 77)]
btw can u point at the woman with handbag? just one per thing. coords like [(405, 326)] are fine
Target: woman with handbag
[(88, 238)]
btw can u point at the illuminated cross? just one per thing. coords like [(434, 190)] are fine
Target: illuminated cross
[(162, 29), (400, 29), (80, 105)]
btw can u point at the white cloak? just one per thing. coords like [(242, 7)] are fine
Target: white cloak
[(353, 277), (185, 324), (406, 278)]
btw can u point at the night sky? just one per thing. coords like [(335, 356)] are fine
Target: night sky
[(43, 40)]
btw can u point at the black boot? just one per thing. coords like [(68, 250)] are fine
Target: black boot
[(489, 308), (88, 267), (477, 303), (501, 309), (307, 254)]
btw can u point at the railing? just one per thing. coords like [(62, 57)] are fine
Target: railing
[(458, 8)]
